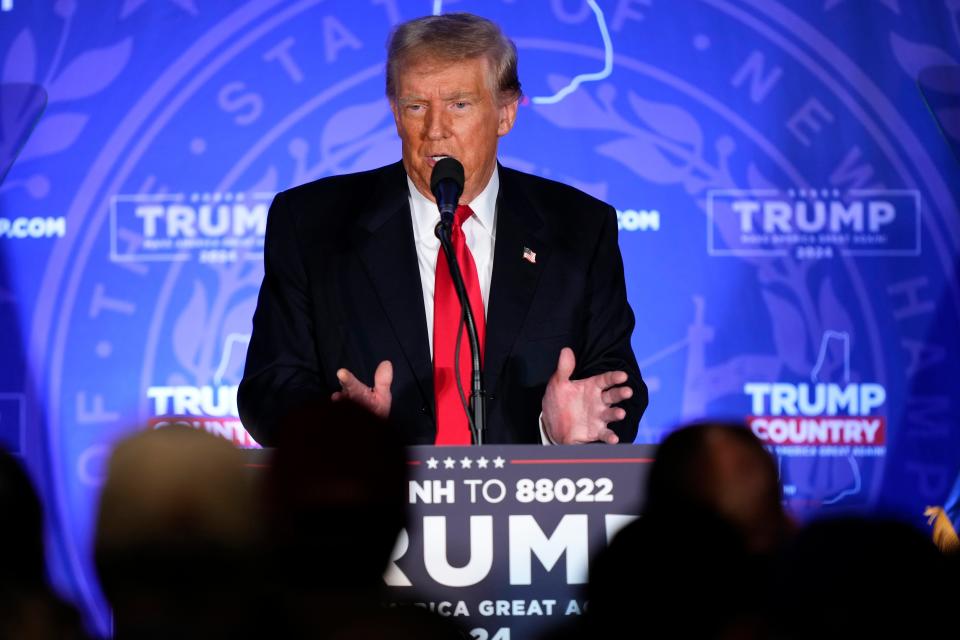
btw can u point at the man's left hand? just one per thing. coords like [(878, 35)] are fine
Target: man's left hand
[(578, 411)]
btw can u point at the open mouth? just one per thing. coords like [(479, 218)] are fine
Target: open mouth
[(432, 160)]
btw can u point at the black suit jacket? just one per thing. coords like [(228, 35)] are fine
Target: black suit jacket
[(342, 289)]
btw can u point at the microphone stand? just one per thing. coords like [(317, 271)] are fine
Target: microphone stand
[(477, 412)]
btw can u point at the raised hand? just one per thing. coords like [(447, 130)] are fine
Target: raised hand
[(375, 399), (577, 411)]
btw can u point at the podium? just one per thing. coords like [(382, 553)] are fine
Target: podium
[(500, 537)]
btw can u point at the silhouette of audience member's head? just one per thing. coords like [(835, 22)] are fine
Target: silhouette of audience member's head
[(684, 577), (335, 502), (695, 563), (175, 528), (28, 607), (335, 496), (863, 578), (21, 535), (721, 468)]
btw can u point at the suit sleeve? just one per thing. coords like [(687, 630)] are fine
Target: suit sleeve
[(609, 326), (282, 370)]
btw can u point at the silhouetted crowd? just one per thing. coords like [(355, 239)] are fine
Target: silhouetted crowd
[(193, 543)]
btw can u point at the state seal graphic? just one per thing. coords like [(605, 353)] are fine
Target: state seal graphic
[(787, 217)]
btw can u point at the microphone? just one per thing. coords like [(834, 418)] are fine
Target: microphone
[(446, 184)]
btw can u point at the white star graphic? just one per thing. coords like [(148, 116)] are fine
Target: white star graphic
[(498, 462), (482, 462), (432, 463), (465, 462), (449, 463)]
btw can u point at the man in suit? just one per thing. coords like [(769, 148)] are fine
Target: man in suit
[(356, 290)]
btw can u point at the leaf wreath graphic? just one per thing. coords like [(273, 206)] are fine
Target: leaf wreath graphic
[(211, 316), (352, 123), (89, 73), (211, 331), (231, 314), (667, 146), (666, 149), (789, 333), (356, 131), (20, 64), (933, 69), (236, 322), (22, 100), (915, 57)]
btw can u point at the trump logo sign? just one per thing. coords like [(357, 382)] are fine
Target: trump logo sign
[(812, 223), (794, 417), (211, 227)]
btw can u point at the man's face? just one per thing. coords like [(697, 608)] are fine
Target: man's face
[(450, 109)]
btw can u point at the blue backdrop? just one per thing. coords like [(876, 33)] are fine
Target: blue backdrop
[(785, 174)]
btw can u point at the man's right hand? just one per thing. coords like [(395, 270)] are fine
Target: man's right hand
[(374, 399)]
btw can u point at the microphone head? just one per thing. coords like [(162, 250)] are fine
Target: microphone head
[(447, 169)]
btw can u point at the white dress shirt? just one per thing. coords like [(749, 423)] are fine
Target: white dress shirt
[(480, 231)]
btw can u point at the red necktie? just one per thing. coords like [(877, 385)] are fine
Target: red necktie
[(452, 425)]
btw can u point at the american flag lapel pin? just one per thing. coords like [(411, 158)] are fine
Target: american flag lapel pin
[(529, 255)]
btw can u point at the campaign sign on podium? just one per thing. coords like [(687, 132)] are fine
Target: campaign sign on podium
[(500, 538)]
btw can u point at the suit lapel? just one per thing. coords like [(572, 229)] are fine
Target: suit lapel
[(384, 237), (515, 273), (386, 248)]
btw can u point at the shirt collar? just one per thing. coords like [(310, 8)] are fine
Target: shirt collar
[(484, 206)]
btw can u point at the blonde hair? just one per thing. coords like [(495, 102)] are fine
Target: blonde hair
[(454, 37)]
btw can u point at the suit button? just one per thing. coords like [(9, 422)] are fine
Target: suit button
[(423, 409)]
